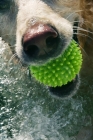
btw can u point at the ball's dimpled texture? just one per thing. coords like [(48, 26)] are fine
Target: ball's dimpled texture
[(60, 71)]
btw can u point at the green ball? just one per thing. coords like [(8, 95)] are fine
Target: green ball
[(61, 70)]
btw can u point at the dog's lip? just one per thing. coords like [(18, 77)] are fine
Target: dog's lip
[(65, 90)]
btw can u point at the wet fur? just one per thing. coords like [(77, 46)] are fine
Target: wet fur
[(81, 9), (61, 14)]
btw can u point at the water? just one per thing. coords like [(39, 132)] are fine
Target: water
[(29, 112)]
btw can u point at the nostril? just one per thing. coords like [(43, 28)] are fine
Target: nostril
[(31, 50), (51, 41)]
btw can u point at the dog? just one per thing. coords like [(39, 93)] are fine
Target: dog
[(42, 29)]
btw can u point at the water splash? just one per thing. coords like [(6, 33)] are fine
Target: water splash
[(28, 112)]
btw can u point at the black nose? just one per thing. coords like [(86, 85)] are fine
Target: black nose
[(39, 40)]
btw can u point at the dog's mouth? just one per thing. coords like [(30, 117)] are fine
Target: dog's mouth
[(66, 90)]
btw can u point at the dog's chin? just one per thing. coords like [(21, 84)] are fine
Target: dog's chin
[(67, 90)]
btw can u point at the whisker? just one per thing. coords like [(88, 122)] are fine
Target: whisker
[(83, 35), (9, 34), (83, 51), (82, 48), (79, 44), (81, 29), (17, 66), (67, 10), (73, 13), (79, 21), (12, 57)]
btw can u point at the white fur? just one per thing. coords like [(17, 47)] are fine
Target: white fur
[(38, 11), (58, 13)]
